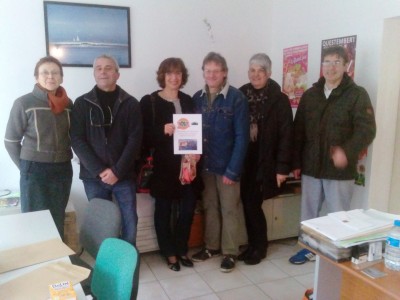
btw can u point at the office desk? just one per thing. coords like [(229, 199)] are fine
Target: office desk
[(28, 228), (334, 281)]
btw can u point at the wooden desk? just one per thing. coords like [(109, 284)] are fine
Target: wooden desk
[(334, 281), (23, 229), (357, 285)]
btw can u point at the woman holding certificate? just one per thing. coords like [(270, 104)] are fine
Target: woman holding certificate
[(172, 198)]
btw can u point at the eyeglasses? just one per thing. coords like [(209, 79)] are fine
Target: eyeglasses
[(95, 123), (212, 72), (327, 63), (47, 73)]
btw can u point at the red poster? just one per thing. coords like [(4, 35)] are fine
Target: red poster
[(295, 65), (349, 43)]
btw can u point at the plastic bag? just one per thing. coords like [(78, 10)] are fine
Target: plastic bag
[(188, 169)]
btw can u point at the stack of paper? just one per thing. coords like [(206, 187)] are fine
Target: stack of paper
[(349, 228), (322, 244)]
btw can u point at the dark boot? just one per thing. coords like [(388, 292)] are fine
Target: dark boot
[(255, 256), (243, 256)]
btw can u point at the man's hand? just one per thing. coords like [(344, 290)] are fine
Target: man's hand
[(108, 176), (227, 181), (280, 179), (339, 157)]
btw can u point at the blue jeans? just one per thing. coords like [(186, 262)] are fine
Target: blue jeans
[(46, 186), (173, 221), (125, 194)]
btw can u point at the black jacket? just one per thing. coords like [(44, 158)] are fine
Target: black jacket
[(119, 149), (274, 140), (165, 180), (345, 119)]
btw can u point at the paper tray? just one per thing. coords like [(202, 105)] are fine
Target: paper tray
[(324, 246)]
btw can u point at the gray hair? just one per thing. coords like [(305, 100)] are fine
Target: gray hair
[(263, 60), (107, 57)]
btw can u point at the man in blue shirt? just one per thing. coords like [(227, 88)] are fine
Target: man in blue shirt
[(225, 116)]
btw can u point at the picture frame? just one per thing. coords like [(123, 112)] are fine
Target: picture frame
[(77, 33)]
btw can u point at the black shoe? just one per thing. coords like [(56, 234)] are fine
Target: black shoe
[(204, 254), (228, 263), (173, 266), (185, 261), (242, 256), (255, 257)]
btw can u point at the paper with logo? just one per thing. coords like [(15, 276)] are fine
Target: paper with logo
[(188, 134)]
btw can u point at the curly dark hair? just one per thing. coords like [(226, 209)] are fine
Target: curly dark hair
[(171, 64)]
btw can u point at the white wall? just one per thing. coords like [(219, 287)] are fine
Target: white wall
[(163, 28), (310, 21), (159, 29)]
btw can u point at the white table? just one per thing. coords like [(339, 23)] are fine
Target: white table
[(28, 228)]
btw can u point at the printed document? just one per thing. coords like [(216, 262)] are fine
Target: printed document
[(188, 134)]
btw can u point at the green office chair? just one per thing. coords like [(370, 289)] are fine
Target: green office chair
[(115, 274)]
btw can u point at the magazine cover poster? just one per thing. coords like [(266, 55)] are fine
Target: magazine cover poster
[(349, 43), (295, 65)]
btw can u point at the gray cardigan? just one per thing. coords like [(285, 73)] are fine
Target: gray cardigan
[(35, 133)]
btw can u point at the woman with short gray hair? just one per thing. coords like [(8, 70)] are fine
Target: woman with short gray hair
[(268, 159)]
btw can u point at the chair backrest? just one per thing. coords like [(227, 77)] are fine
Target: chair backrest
[(114, 271), (102, 220)]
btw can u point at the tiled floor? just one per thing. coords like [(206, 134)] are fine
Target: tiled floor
[(273, 279)]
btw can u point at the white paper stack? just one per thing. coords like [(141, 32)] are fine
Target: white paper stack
[(349, 228)]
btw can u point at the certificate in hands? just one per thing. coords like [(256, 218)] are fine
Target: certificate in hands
[(188, 134)]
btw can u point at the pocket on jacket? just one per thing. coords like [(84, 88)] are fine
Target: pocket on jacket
[(224, 119)]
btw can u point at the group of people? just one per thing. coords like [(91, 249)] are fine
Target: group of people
[(250, 146)]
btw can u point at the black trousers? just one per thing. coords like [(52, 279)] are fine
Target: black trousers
[(173, 221), (251, 194)]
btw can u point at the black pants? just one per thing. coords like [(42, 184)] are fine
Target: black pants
[(173, 221), (251, 194)]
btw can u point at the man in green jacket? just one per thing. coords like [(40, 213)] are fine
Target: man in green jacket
[(333, 124)]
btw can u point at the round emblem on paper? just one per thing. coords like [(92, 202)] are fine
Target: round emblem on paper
[(183, 123)]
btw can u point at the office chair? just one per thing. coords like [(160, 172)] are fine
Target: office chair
[(102, 220), (116, 271)]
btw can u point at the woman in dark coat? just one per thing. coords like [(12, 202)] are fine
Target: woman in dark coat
[(169, 193), (268, 159)]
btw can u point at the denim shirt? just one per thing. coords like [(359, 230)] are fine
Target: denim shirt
[(225, 131)]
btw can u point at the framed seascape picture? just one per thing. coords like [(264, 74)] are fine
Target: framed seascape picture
[(77, 33)]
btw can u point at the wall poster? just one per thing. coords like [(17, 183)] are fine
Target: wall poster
[(347, 42), (295, 66), (77, 33)]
